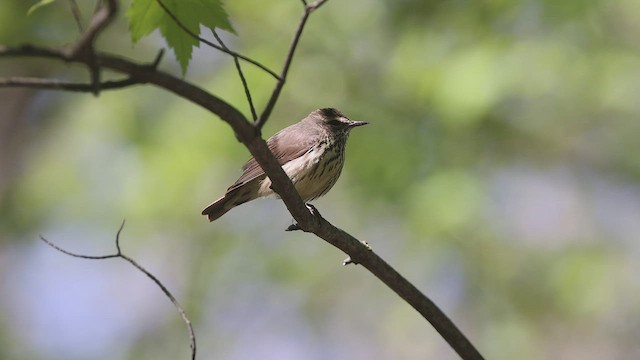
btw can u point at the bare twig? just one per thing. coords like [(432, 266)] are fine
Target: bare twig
[(120, 254), (209, 43), (77, 16), (156, 61), (53, 84), (308, 9), (247, 92), (103, 17), (316, 4)]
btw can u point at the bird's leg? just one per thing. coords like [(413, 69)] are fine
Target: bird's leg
[(318, 217), (313, 211)]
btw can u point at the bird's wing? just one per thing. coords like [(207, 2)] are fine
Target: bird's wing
[(297, 143)]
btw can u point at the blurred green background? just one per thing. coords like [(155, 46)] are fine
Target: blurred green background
[(501, 175)]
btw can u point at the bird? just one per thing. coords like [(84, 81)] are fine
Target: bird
[(311, 152)]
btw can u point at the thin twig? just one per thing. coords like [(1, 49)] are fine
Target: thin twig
[(156, 61), (209, 43), (77, 16), (316, 4), (53, 84), (308, 9), (66, 252), (97, 6), (103, 17), (118, 237), (119, 254), (247, 92)]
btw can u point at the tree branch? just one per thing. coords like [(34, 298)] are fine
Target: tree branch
[(53, 84), (361, 253), (84, 46), (281, 183), (101, 19), (248, 134), (120, 254)]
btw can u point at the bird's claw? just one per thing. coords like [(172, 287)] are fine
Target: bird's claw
[(312, 209)]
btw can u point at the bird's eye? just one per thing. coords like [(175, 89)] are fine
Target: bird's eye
[(335, 122)]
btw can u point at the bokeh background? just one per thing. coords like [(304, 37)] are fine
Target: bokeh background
[(501, 175)]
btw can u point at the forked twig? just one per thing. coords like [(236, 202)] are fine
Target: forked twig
[(308, 9), (120, 254)]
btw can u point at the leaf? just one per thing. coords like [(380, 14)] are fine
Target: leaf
[(145, 16), (38, 5)]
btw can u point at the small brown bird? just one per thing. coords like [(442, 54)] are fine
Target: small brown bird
[(311, 153)]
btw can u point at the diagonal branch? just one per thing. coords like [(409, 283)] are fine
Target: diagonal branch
[(282, 185), (247, 134), (120, 254), (360, 253)]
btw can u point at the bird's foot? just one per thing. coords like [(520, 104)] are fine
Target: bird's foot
[(313, 211)]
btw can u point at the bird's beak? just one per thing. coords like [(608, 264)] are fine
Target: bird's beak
[(357, 123)]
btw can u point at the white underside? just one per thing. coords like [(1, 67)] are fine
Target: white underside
[(308, 187)]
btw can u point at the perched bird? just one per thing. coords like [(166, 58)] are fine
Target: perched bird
[(311, 153)]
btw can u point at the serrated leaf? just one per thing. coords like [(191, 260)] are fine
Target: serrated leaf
[(38, 5), (145, 16), (178, 39), (213, 15)]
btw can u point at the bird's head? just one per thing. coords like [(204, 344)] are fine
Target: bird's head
[(334, 120)]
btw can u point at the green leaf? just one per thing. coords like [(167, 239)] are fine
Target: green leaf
[(213, 14), (38, 5), (145, 16)]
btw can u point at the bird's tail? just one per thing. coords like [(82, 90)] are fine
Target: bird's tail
[(230, 200), (219, 207)]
